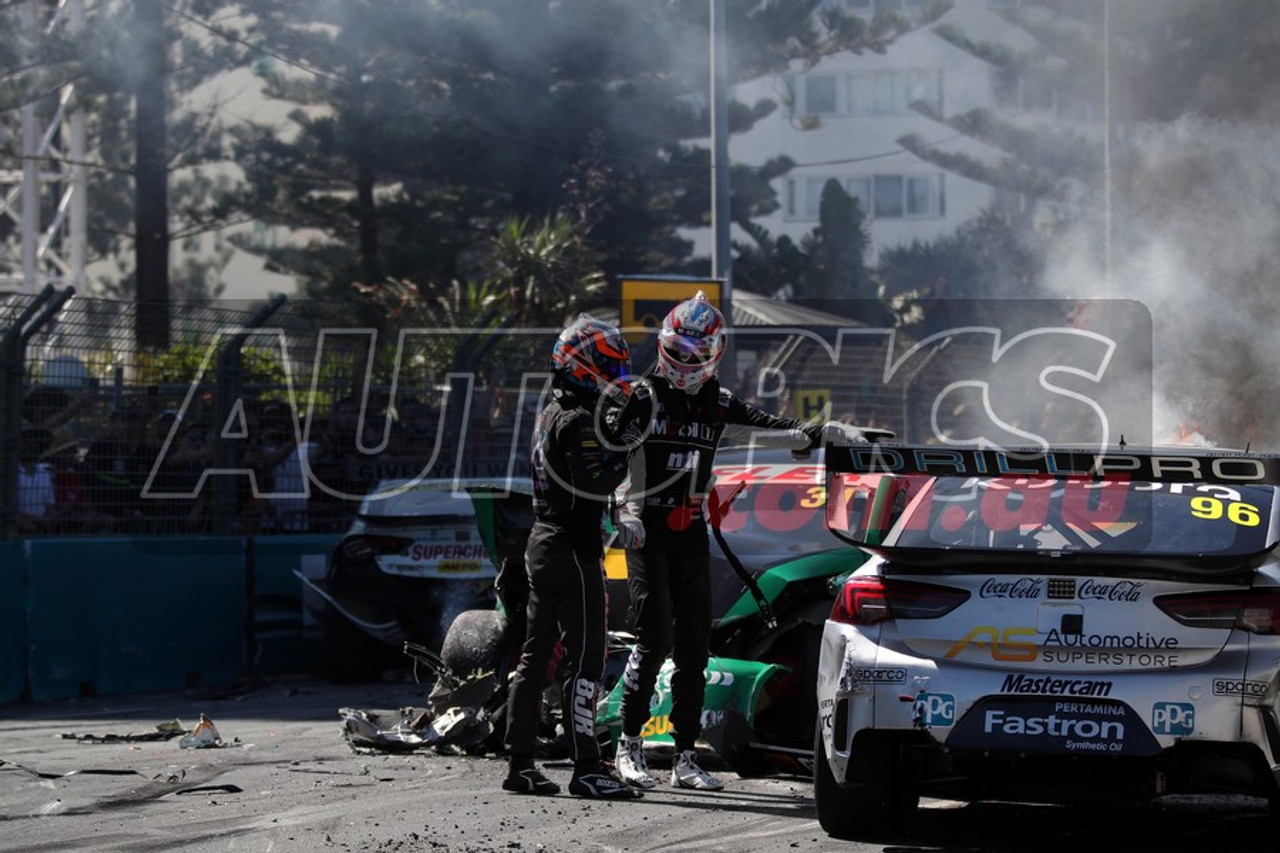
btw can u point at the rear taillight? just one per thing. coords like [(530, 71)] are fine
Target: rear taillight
[(1256, 611), (377, 545), (867, 600)]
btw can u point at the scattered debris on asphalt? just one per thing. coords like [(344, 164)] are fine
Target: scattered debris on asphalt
[(163, 731)]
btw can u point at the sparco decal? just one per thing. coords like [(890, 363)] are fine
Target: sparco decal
[(1050, 686), (880, 676), (1238, 687), (1025, 588), (1129, 591)]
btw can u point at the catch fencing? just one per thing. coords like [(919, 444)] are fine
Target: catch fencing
[(279, 417)]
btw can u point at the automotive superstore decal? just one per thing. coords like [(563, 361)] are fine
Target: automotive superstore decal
[(1173, 718), (934, 709), (1134, 649), (1099, 727), (1238, 687), (891, 675), (1003, 644), (1051, 686), (1020, 644)]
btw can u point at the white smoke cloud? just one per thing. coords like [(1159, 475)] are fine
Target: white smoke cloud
[(1194, 237)]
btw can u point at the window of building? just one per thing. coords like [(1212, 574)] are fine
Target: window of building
[(871, 7), (819, 94), (879, 196), (264, 236), (921, 197), (860, 188), (892, 92), (887, 198)]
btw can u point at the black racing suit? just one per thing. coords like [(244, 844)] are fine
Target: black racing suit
[(574, 473), (668, 578)]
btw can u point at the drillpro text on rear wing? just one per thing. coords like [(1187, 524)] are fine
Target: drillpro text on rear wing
[(1174, 464)]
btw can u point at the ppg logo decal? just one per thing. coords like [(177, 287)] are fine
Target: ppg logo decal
[(935, 709), (1173, 718)]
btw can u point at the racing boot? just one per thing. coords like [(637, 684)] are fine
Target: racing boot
[(600, 784), (685, 773), (631, 764), (529, 780)]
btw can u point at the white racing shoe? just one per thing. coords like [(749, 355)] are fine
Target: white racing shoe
[(630, 763), (685, 773)]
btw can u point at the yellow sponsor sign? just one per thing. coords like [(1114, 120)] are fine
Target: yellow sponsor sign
[(645, 301), (813, 404)]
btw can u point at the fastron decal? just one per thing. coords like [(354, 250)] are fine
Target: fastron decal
[(1031, 724)]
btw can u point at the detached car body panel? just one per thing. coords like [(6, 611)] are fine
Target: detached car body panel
[(1044, 632)]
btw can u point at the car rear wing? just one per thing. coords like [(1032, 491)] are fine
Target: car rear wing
[(1157, 465), (869, 485)]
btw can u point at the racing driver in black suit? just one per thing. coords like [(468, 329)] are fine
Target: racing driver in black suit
[(579, 458), (660, 520)]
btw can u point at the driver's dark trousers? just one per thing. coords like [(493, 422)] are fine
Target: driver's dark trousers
[(566, 604), (669, 581)]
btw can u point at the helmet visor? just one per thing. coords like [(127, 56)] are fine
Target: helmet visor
[(686, 350)]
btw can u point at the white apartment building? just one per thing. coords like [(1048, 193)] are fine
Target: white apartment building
[(842, 118)]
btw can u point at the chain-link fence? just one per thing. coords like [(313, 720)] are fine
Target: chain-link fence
[(280, 417)]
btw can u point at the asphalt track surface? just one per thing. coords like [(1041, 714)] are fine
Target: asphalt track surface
[(89, 775)]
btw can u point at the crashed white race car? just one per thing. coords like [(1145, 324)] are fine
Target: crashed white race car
[(1052, 626)]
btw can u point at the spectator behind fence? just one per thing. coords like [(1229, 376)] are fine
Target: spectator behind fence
[(36, 498), (342, 472), (115, 468), (51, 407), (287, 508), (70, 503), (188, 455)]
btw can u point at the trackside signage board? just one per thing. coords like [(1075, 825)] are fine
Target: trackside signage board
[(646, 300), (1172, 464)]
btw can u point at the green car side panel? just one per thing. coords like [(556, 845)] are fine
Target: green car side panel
[(772, 582)]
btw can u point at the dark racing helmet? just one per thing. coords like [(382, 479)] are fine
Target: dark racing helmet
[(591, 356), (691, 343)]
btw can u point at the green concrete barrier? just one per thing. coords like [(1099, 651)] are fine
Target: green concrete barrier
[(282, 641), (108, 616), (13, 621)]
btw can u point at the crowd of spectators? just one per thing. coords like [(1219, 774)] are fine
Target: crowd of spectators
[(95, 466)]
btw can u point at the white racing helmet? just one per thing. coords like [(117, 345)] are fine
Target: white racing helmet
[(691, 343)]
